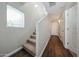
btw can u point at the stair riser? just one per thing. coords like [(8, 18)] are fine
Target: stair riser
[(34, 43), (34, 33), (34, 37)]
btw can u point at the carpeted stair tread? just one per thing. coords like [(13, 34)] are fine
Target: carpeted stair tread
[(30, 48), (32, 41)]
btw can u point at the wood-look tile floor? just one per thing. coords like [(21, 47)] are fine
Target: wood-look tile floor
[(21, 53), (55, 48)]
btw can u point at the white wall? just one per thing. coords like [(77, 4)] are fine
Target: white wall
[(62, 29), (55, 28), (12, 38), (43, 35), (77, 42), (70, 28)]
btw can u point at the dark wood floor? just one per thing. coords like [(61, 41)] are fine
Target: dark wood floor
[(22, 53), (55, 48)]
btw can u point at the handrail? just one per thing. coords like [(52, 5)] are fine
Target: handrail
[(42, 19)]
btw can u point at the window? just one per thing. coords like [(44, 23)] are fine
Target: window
[(15, 18)]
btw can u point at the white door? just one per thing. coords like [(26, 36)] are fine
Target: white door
[(70, 29)]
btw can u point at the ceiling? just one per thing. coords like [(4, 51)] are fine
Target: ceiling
[(16, 4), (58, 7), (55, 9)]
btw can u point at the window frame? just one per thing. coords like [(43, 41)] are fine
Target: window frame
[(18, 23)]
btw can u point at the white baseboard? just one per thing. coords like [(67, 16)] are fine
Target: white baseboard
[(13, 52)]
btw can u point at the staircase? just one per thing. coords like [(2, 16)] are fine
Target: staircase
[(30, 45)]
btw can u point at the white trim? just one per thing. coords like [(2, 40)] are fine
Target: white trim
[(13, 52)]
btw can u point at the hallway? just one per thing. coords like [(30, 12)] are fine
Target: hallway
[(28, 27), (55, 48)]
